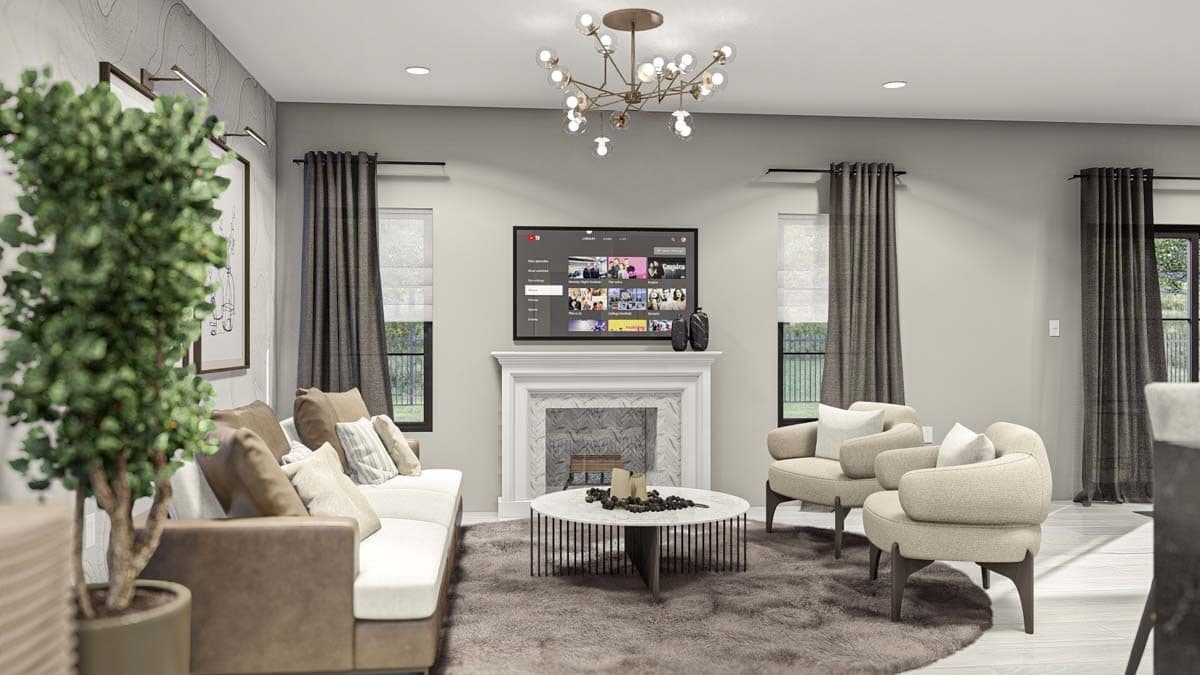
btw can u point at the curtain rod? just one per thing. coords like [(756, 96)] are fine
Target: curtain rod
[(895, 172), (1155, 177), (389, 161)]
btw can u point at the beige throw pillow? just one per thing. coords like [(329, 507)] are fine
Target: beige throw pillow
[(326, 491), (963, 446), (397, 446)]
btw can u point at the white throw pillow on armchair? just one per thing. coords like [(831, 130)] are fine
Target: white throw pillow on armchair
[(836, 426), (963, 446)]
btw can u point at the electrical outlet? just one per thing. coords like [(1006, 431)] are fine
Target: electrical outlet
[(1054, 331), (927, 434)]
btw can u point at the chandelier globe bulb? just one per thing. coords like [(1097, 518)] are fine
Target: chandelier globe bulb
[(547, 58)]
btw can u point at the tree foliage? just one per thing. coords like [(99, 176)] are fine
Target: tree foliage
[(115, 244)]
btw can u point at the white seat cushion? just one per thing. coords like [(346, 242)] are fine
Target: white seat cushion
[(400, 570), (886, 523), (448, 481), (818, 480), (431, 497)]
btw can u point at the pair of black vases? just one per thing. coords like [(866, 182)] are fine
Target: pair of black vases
[(694, 331)]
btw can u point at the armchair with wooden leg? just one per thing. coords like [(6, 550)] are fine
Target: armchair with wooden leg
[(843, 483), (989, 513)]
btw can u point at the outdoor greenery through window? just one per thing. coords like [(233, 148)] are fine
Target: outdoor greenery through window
[(406, 345), (406, 273), (802, 360), (1176, 253)]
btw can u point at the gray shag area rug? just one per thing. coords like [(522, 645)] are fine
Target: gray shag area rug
[(795, 610)]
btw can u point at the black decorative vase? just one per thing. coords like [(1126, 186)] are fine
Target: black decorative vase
[(679, 335), (698, 330)]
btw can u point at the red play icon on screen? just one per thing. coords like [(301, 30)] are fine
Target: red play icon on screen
[(533, 237)]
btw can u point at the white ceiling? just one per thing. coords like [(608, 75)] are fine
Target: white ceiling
[(1131, 61)]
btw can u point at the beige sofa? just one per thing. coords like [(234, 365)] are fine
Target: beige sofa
[(989, 513), (302, 594), (843, 483)]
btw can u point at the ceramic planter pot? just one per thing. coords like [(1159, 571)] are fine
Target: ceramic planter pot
[(152, 642)]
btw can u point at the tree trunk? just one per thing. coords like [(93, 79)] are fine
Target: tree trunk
[(81, 589)]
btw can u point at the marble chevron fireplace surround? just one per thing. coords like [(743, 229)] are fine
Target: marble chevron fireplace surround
[(647, 406)]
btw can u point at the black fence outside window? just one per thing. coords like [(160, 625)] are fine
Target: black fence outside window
[(410, 369)]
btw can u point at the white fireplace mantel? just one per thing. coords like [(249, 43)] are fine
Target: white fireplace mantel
[(684, 376)]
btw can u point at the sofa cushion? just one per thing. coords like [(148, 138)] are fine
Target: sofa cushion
[(316, 414), (245, 477), (835, 426), (326, 491), (886, 523), (432, 497), (191, 497), (818, 480), (259, 418), (367, 460), (400, 570), (397, 445)]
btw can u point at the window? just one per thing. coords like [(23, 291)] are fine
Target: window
[(406, 272), (1176, 249), (802, 300)]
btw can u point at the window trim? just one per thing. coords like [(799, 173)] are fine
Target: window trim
[(425, 424), (1191, 233), (785, 421)]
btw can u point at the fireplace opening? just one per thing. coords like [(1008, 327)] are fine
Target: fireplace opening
[(583, 445)]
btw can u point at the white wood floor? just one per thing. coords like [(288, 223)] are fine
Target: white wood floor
[(1092, 577)]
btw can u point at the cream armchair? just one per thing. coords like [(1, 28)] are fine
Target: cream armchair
[(989, 513), (843, 483)]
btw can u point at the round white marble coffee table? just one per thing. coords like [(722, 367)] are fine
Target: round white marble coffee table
[(567, 535)]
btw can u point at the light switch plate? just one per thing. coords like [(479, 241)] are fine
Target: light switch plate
[(927, 434), (1054, 330)]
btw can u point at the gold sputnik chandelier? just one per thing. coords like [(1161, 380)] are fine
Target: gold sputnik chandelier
[(655, 80)]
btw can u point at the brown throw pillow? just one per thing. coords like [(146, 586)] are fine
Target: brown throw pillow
[(246, 478), (316, 414), (259, 418)]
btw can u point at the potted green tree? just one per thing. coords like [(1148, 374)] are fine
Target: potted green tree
[(115, 242)]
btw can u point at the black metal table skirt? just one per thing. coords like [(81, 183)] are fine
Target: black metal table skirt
[(564, 548)]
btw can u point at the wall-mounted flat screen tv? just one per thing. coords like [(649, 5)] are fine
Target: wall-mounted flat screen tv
[(601, 283)]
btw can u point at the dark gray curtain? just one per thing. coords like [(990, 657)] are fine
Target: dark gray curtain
[(862, 349), (1122, 333), (342, 343)]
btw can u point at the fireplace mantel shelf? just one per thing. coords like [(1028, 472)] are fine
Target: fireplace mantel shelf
[(679, 379), (605, 359)]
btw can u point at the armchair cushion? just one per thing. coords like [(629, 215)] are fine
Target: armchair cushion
[(886, 523), (794, 440), (890, 465), (835, 426), (857, 455), (1004, 491), (963, 446), (818, 480)]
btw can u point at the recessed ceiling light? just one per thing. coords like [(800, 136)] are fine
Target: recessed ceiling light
[(895, 84), (417, 70)]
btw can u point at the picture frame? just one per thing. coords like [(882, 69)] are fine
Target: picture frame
[(224, 343)]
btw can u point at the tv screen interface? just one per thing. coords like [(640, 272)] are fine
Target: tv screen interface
[(586, 284)]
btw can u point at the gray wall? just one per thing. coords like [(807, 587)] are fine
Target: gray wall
[(73, 37), (988, 239)]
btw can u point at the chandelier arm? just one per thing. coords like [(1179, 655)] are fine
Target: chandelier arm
[(601, 89), (701, 73), (609, 59)]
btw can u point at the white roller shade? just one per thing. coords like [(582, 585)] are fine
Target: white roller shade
[(406, 264), (803, 268)]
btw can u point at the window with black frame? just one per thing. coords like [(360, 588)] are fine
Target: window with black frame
[(1178, 255), (406, 272), (803, 299)]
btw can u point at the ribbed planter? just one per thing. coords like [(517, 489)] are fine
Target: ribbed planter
[(152, 642)]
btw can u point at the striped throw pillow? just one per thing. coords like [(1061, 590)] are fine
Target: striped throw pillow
[(366, 458)]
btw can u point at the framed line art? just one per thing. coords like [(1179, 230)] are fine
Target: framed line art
[(224, 343)]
